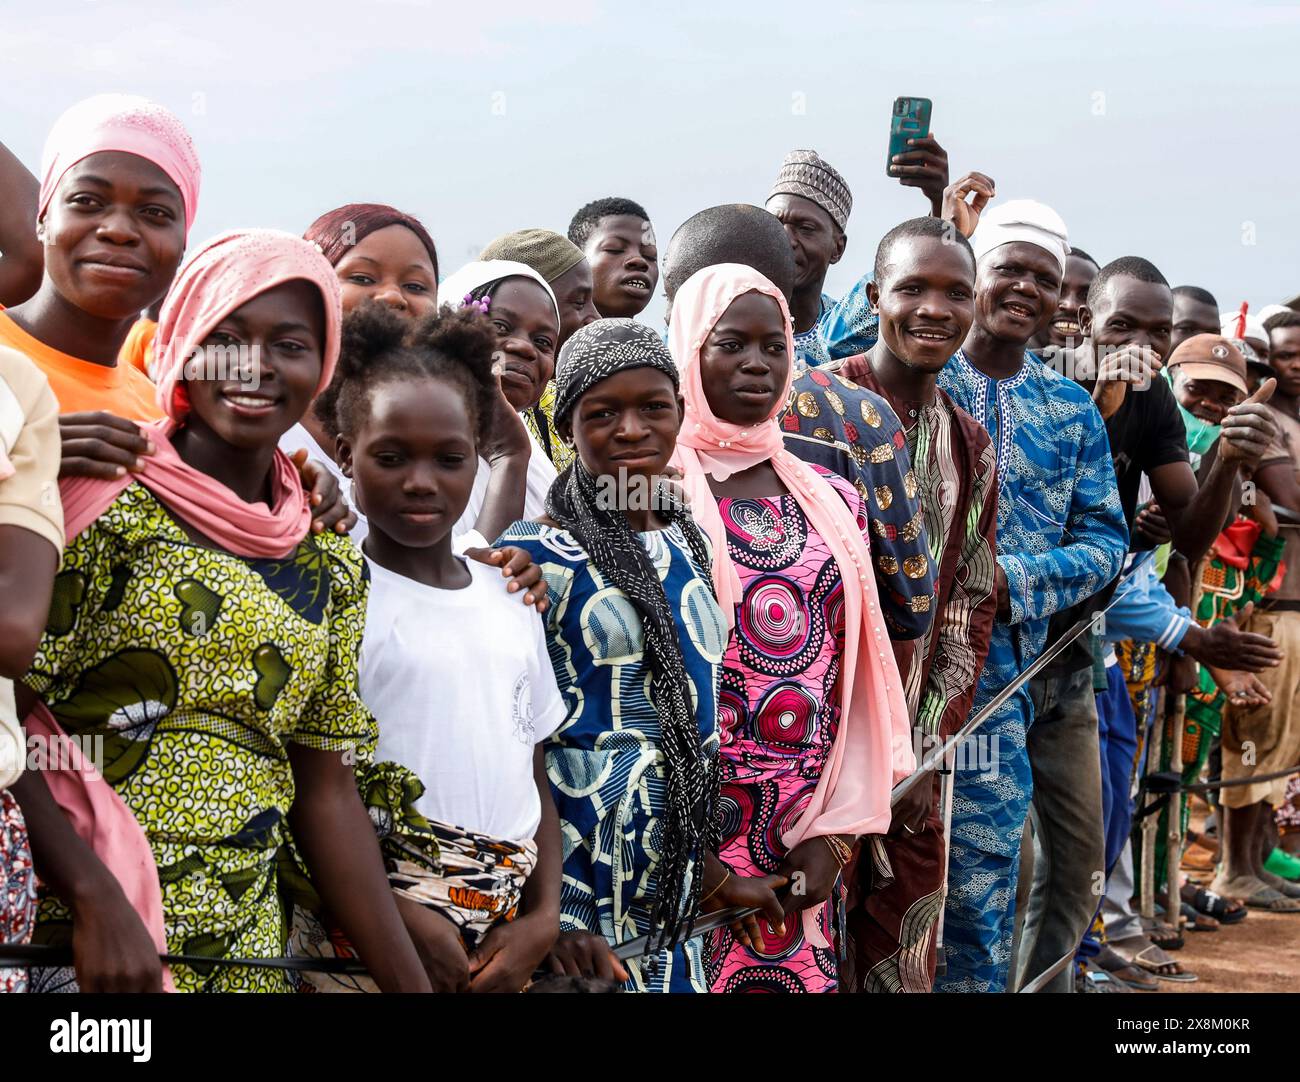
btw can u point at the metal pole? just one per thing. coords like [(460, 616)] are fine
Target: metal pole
[(1147, 877)]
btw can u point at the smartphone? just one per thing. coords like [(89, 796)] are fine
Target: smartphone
[(910, 120)]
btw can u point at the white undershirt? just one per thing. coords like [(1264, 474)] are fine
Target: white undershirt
[(462, 687)]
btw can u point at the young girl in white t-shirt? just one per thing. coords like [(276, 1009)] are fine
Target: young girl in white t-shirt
[(454, 668)]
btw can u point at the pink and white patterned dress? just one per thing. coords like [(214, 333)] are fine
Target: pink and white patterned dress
[(17, 887), (778, 712)]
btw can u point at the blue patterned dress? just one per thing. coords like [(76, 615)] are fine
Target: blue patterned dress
[(606, 768), (1061, 538)]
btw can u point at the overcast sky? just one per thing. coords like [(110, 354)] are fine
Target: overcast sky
[(1162, 129)]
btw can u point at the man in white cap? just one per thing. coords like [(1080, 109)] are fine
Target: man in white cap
[(1127, 321), (1061, 538)]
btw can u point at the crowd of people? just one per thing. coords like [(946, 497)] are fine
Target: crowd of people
[(452, 629)]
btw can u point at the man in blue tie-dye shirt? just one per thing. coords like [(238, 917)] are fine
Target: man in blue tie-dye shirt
[(1061, 538)]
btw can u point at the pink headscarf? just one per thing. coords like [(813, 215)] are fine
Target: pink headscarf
[(872, 749), (225, 274), (126, 123)]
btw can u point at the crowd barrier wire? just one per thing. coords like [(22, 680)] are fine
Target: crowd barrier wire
[(40, 956)]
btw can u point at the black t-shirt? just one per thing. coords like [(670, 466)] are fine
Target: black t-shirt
[(1145, 433)]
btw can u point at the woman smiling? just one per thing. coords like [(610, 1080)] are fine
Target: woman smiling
[(211, 641)]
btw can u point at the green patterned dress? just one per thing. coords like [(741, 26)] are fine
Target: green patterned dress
[(199, 668)]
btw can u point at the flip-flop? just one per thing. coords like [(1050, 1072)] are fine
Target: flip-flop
[(1273, 900), (1197, 921), (1098, 980), (1123, 971), (1153, 965), (1163, 936), (1216, 906)]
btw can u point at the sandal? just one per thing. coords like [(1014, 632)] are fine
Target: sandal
[(1197, 921), (1273, 900), (1153, 959), (1092, 979), (1163, 936), (1282, 886), (1224, 910), (1124, 972)]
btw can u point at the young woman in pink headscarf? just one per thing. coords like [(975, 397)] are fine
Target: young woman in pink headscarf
[(204, 643), (814, 724), (119, 189)]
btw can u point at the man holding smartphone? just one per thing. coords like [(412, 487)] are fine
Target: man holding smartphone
[(812, 201)]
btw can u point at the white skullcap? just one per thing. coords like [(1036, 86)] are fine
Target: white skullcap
[(1254, 326), (1270, 310), (1022, 220)]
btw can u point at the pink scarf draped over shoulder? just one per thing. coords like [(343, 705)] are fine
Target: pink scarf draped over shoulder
[(225, 274), (872, 750)]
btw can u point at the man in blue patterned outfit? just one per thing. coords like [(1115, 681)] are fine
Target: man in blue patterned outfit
[(1061, 538)]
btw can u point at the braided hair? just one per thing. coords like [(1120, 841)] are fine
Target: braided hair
[(592, 354)]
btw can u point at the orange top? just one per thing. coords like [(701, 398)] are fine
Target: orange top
[(137, 350), (83, 385)]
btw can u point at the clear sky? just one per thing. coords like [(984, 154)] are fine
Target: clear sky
[(1163, 129)]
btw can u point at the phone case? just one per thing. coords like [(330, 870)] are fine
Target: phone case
[(910, 120)]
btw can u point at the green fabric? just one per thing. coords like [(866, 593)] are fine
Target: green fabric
[(1284, 864), (1200, 434)]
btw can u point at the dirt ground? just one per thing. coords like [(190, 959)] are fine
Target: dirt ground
[(1260, 954)]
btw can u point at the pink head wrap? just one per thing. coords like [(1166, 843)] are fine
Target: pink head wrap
[(229, 271), (224, 274), (872, 749), (129, 124)]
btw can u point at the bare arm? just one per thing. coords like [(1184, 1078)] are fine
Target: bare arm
[(27, 566), (1278, 481), (338, 842), (1196, 515), (21, 260)]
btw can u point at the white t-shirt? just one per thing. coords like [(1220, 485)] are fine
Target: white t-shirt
[(540, 475), (462, 686), (299, 439)]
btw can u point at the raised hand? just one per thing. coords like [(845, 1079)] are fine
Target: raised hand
[(925, 166), (1249, 428), (1120, 369), (963, 202)]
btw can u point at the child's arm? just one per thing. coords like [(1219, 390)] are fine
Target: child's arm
[(22, 262), (341, 851), (511, 952)]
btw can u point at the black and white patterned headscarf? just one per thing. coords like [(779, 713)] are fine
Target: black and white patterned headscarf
[(593, 354), (603, 349)]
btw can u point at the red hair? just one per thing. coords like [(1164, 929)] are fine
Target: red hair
[(335, 231)]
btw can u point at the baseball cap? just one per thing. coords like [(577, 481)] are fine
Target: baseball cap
[(1212, 357)]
